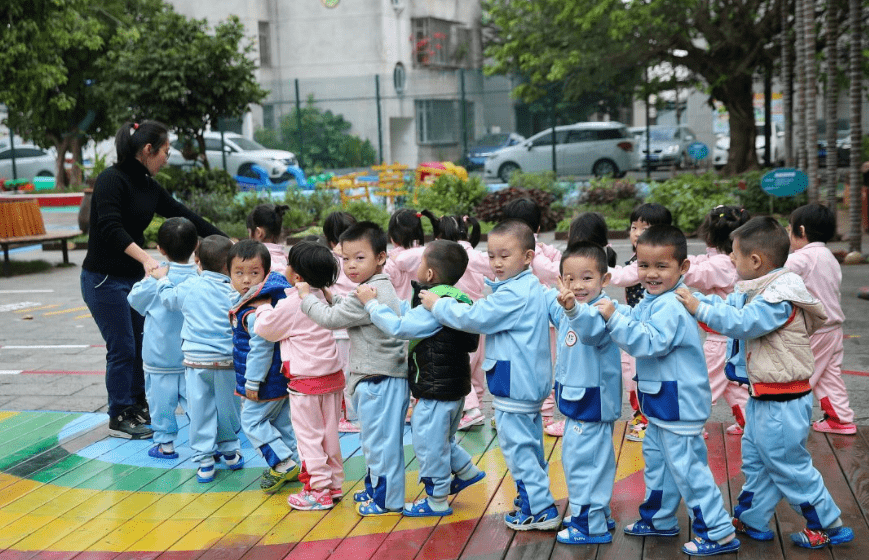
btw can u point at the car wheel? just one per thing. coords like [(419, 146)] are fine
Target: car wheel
[(604, 168), (45, 173), (246, 170), (507, 170)]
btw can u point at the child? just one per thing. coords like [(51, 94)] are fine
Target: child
[(407, 237), (588, 390), (466, 231), (673, 392), (206, 340), (518, 365), (334, 225), (769, 317), (316, 380), (439, 375), (265, 409), (378, 368), (161, 349), (644, 216), (265, 224), (810, 228), (714, 273)]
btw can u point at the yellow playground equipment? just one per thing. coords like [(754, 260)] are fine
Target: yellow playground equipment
[(388, 180)]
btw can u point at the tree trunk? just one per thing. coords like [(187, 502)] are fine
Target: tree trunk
[(832, 101), (76, 174), (811, 88), (801, 84), (200, 139), (61, 181), (787, 81), (855, 13), (740, 107)]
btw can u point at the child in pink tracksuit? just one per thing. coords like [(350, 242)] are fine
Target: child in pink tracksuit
[(715, 274), (406, 235), (265, 224), (316, 381), (810, 228)]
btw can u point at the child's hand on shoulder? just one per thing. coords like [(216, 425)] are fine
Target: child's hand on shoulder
[(252, 395), (159, 272), (428, 299), (606, 308), (366, 293), (687, 299), (304, 289), (566, 297)]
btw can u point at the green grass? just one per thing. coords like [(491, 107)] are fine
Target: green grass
[(20, 268)]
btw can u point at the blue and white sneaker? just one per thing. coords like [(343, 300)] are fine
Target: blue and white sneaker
[(572, 535), (641, 528), (546, 520), (610, 522), (457, 484), (205, 474), (235, 461)]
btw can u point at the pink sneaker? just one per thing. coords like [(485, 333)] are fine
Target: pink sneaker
[(471, 419), (336, 494), (830, 426), (311, 500), (734, 430), (347, 427), (555, 429)]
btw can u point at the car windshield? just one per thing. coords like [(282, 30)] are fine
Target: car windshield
[(664, 133), (843, 128), (247, 145), (493, 139)]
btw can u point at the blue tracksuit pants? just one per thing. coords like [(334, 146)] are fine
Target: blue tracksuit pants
[(267, 425), (777, 465), (677, 467), (590, 468), (434, 426), (520, 437), (381, 406), (213, 410), (165, 392)]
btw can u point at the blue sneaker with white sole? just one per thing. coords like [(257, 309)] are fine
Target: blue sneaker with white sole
[(572, 535), (205, 474), (546, 520)]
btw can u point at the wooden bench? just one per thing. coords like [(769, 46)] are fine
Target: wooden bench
[(58, 235)]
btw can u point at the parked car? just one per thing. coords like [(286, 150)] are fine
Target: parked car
[(586, 148), (241, 155), (488, 145), (30, 161), (669, 145), (843, 143), (777, 146)]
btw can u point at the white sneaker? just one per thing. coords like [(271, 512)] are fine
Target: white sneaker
[(472, 417)]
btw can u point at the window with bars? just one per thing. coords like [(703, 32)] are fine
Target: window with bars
[(440, 43), (439, 121), (265, 44)]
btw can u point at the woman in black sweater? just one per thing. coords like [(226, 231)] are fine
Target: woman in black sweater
[(124, 202)]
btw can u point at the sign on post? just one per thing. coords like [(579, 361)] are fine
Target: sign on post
[(784, 182), (698, 150)]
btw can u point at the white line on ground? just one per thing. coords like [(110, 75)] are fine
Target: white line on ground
[(10, 371), (46, 346), (26, 291)]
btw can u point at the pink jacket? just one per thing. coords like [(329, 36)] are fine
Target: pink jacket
[(279, 257), (624, 276), (401, 267), (309, 348), (478, 268), (712, 273), (823, 276), (546, 264)]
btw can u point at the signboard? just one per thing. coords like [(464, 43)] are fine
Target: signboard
[(784, 182), (698, 150)]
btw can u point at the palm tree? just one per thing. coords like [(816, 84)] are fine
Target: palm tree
[(832, 99), (811, 92), (855, 12), (787, 80), (801, 83)]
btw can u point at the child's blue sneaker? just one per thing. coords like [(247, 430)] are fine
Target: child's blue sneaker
[(457, 484), (610, 522), (205, 474), (808, 538), (572, 535), (641, 528), (158, 453), (235, 461), (546, 520), (744, 529), (701, 547), (371, 509), (361, 497), (422, 508)]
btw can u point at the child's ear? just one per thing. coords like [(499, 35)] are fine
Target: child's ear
[(162, 251), (686, 264), (756, 260), (604, 282), (529, 256), (380, 259)]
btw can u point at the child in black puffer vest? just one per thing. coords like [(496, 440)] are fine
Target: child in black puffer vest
[(439, 375)]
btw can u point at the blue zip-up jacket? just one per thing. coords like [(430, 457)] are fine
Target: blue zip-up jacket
[(257, 361), (161, 343), (588, 369), (672, 380), (205, 302), (515, 320)]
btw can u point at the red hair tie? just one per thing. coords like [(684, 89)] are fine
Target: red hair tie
[(419, 214), (136, 125)]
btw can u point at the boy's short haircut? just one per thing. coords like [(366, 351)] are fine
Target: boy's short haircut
[(818, 221), (249, 249), (314, 262), (588, 250), (764, 235), (369, 231), (666, 236), (652, 213), (523, 209), (518, 229), (335, 224), (178, 237), (447, 259), (212, 253)]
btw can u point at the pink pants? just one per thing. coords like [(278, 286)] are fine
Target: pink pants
[(827, 381), (478, 377), (735, 394), (315, 421)]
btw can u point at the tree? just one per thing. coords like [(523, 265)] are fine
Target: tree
[(855, 70), (831, 98), (812, 102), (183, 73)]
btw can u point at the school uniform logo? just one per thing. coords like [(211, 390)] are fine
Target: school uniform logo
[(570, 339)]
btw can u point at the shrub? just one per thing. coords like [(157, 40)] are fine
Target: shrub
[(363, 210), (690, 197), (306, 208), (491, 207), (607, 191), (183, 182), (451, 195), (151, 231)]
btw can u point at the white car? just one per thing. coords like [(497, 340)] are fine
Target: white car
[(30, 161), (241, 155), (777, 146), (587, 148)]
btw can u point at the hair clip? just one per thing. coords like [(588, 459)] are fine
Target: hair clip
[(419, 214), (134, 128)]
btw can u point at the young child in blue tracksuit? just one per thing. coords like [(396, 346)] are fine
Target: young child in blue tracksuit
[(265, 410), (378, 368), (439, 376), (162, 358), (674, 394), (206, 340), (588, 391), (769, 318), (518, 365)]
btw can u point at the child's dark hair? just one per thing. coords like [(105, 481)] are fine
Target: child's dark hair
[(819, 223), (447, 259), (663, 235), (652, 213), (249, 249), (212, 253), (718, 225), (315, 263), (178, 237), (132, 137), (518, 229), (460, 228), (270, 217), (369, 231), (335, 224), (588, 250), (764, 235), (591, 226), (405, 227), (523, 209)]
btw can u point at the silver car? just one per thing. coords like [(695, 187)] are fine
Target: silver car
[(241, 155), (30, 161), (669, 145)]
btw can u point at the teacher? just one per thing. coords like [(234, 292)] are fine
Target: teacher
[(124, 202)]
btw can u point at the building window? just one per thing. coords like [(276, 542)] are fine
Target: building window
[(439, 121), (265, 44), (440, 43), (269, 117)]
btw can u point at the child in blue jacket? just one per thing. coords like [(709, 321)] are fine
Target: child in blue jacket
[(518, 365), (674, 394), (162, 358)]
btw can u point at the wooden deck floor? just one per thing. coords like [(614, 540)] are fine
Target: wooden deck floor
[(67, 490)]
